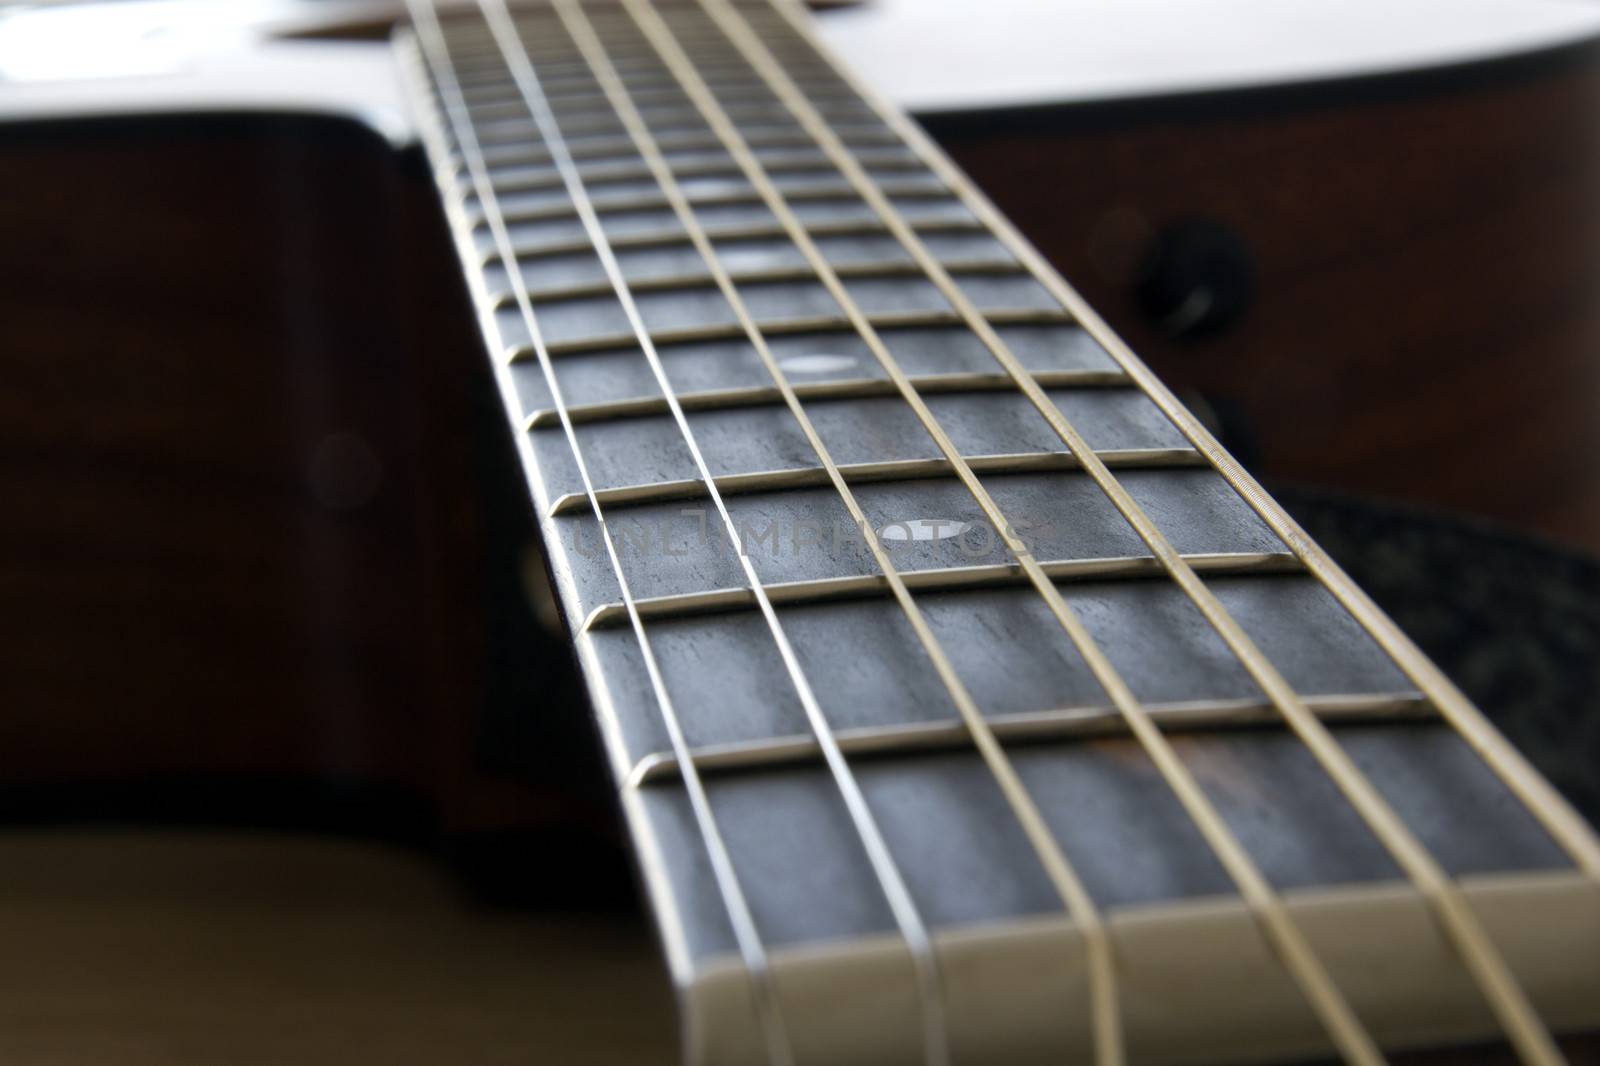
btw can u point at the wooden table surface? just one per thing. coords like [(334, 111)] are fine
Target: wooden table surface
[(139, 948)]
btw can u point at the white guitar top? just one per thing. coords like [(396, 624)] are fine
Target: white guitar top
[(146, 56), (954, 55)]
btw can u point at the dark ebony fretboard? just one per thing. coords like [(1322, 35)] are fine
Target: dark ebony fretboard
[(965, 700)]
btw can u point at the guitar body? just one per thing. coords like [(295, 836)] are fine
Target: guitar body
[(256, 507), (1337, 235), (272, 564), (313, 382)]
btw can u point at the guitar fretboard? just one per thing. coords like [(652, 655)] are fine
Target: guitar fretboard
[(951, 674)]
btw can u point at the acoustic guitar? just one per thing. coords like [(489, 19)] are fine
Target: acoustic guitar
[(963, 699)]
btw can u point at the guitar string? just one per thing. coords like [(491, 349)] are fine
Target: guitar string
[(1517, 1017), (1078, 903), (903, 907), (1326, 1001), (1564, 824), (746, 936)]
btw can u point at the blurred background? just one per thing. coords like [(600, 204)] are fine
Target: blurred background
[(292, 757)]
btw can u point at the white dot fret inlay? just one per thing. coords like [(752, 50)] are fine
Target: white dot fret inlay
[(817, 364), (924, 529)]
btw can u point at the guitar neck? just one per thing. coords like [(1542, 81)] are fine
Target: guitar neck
[(965, 699)]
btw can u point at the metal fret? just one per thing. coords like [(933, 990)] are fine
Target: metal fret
[(663, 94), (879, 156), (845, 389), (671, 283), (568, 89), (897, 158), (557, 70), (1062, 723), (863, 473), (821, 590), (779, 327), (644, 203), (601, 117), (595, 125), (532, 249), (609, 146)]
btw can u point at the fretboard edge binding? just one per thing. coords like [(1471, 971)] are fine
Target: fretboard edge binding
[(1060, 723), (945, 579)]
